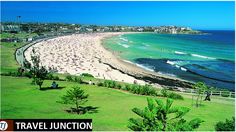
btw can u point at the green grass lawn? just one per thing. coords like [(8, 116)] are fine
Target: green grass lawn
[(18, 35), (20, 99), (8, 62)]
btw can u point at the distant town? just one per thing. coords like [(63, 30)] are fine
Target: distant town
[(41, 30)]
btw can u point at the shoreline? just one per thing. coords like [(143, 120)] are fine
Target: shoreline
[(101, 62)]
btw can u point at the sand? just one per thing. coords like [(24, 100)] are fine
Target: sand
[(83, 53)]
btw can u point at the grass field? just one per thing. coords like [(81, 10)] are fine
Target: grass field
[(8, 62), (23, 100)]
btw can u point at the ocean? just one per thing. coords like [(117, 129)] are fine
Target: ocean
[(208, 57)]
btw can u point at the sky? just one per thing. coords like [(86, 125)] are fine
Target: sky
[(198, 14)]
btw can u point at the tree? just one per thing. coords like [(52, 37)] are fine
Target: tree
[(39, 73), (201, 88), (228, 125), (74, 96), (158, 116)]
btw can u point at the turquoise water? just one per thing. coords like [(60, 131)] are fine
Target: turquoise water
[(208, 58)]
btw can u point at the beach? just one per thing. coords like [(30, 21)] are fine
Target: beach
[(79, 53), (84, 53)]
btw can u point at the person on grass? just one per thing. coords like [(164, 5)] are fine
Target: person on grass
[(54, 85), (208, 96)]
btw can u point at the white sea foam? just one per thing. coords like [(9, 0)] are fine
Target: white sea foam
[(124, 39), (180, 53), (149, 68), (174, 63), (177, 66), (125, 45), (201, 56), (170, 62), (183, 69), (128, 61)]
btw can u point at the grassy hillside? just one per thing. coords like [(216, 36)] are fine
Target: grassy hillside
[(23, 100)]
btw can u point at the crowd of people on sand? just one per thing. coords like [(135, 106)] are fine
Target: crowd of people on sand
[(79, 53)]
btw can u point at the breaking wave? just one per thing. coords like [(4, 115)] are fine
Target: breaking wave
[(180, 53), (175, 63), (201, 56), (194, 55)]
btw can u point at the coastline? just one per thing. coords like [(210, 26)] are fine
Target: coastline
[(101, 62)]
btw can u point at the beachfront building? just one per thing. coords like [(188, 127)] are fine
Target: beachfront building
[(12, 28), (140, 29)]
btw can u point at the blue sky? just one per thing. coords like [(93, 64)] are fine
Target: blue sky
[(198, 15)]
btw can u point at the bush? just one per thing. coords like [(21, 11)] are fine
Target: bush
[(228, 125), (69, 78), (56, 78), (119, 86), (49, 77), (27, 74), (78, 80), (112, 84), (164, 92), (127, 87), (106, 83), (148, 90), (171, 95), (175, 96), (100, 84), (87, 75)]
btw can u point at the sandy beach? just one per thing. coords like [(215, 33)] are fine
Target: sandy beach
[(84, 53), (80, 53)]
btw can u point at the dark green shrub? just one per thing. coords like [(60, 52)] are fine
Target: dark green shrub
[(148, 90), (127, 87), (151, 91), (78, 80), (69, 78), (134, 88), (173, 95), (56, 78), (87, 75), (27, 74), (164, 92), (113, 84), (106, 83), (119, 86), (139, 89), (14, 74), (49, 77), (100, 84), (228, 125)]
